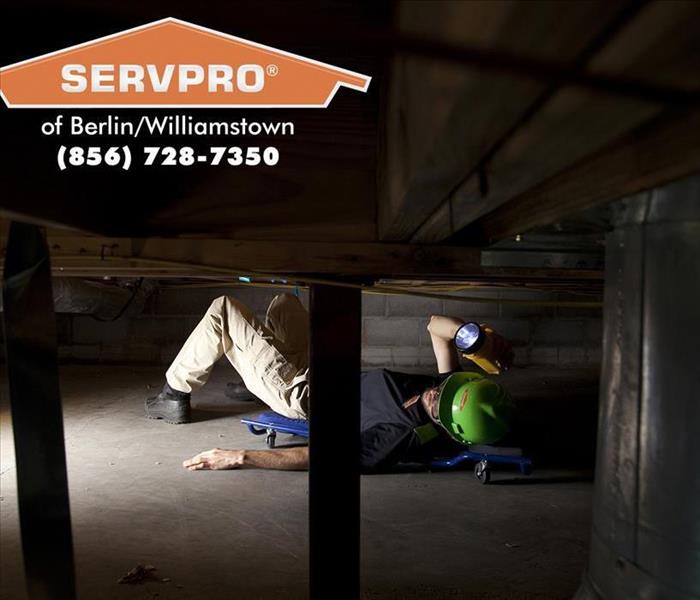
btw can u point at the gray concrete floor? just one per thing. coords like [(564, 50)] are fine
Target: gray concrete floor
[(243, 534)]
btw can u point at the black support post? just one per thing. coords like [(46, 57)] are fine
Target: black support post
[(334, 473), (37, 419), (645, 535)]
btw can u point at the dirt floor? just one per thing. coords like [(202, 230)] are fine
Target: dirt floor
[(243, 534)]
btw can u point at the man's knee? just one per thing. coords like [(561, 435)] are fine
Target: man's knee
[(286, 297), (217, 305), (281, 302), (228, 305)]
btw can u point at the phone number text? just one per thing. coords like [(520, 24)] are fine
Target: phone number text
[(166, 156)]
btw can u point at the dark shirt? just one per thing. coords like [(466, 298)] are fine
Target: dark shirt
[(387, 430)]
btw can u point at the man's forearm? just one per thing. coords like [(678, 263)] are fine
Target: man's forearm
[(444, 327), (442, 331), (286, 459)]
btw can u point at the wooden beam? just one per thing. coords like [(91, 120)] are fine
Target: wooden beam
[(549, 276), (547, 71), (194, 256), (659, 152), (571, 126), (442, 120), (90, 256), (560, 127)]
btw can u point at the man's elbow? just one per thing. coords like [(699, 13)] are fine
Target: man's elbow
[(432, 322)]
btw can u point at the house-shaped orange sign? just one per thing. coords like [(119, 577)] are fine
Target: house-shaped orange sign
[(173, 64)]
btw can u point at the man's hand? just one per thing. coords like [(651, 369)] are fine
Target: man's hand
[(502, 350), (215, 459)]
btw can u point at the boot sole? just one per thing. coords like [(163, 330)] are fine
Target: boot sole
[(172, 416), (168, 419)]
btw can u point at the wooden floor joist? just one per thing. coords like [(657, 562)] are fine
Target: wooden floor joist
[(193, 256), (91, 256), (661, 151), (504, 138)]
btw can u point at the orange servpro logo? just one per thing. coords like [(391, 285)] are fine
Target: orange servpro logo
[(172, 63)]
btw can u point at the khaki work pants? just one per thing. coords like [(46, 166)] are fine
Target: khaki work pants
[(271, 357)]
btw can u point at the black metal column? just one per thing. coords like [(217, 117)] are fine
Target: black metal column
[(334, 473), (645, 540), (37, 419)]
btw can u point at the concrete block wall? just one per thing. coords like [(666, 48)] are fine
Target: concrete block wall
[(154, 336), (393, 328)]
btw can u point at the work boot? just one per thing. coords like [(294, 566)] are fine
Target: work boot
[(170, 405), (239, 392)]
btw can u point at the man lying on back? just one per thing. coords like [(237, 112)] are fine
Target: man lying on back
[(404, 417)]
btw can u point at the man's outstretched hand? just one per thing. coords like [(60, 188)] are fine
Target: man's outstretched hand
[(215, 459), (294, 458)]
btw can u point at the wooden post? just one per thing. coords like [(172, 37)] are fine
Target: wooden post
[(37, 419), (334, 473)]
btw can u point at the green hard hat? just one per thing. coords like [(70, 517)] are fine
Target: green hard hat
[(474, 409)]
